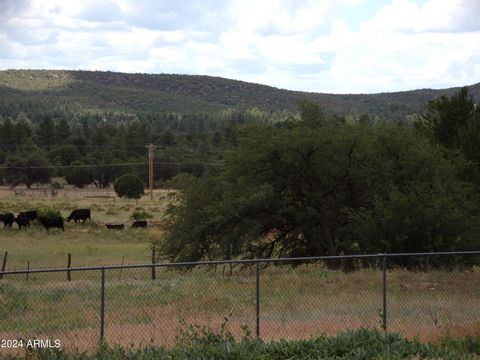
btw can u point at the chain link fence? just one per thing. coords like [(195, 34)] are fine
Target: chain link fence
[(271, 299)]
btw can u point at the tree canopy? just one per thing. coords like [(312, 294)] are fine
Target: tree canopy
[(454, 122), (323, 188), (79, 175), (447, 116), (26, 169), (129, 186)]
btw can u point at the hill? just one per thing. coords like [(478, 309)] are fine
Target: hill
[(133, 93)]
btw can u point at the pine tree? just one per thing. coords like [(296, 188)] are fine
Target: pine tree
[(6, 134), (22, 129), (62, 132), (46, 133)]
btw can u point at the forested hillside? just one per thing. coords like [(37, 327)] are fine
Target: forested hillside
[(261, 171), (91, 127), (37, 92)]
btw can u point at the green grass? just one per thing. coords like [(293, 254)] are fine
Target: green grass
[(90, 243), (295, 303), (97, 246)]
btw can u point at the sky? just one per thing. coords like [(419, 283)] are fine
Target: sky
[(333, 46)]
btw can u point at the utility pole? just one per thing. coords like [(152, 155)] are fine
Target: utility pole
[(150, 148)]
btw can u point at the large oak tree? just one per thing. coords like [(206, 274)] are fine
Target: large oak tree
[(321, 189)]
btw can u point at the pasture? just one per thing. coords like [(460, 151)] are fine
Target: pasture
[(295, 302), (90, 243)]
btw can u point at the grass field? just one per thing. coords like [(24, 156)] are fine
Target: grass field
[(91, 243), (295, 303)]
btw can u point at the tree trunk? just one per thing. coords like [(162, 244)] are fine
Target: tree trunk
[(326, 234), (329, 240)]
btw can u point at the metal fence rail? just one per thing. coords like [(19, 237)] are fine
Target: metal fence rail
[(271, 299)]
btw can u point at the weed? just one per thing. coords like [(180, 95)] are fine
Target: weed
[(111, 211), (189, 334), (140, 214)]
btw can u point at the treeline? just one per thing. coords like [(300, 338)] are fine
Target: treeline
[(90, 147), (253, 183), (322, 186)]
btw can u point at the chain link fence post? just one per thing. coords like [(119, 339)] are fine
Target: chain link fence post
[(384, 286), (102, 304), (257, 281)]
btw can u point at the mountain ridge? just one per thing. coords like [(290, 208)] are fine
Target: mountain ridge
[(138, 92)]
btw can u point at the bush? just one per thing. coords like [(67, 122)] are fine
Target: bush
[(49, 212), (140, 214), (129, 186), (56, 185)]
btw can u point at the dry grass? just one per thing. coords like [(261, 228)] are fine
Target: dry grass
[(91, 243), (299, 302), (295, 303)]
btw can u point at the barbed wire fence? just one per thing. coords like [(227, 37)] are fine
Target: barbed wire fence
[(423, 295)]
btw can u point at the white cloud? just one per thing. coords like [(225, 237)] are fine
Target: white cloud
[(432, 16), (295, 44)]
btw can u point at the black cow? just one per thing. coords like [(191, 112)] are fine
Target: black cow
[(79, 214), (22, 221), (115, 226), (31, 214), (8, 219), (139, 224), (51, 222)]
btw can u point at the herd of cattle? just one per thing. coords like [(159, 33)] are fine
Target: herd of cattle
[(23, 220)]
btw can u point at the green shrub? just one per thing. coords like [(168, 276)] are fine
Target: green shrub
[(140, 214), (49, 212)]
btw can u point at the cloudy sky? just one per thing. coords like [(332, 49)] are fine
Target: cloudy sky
[(339, 46)]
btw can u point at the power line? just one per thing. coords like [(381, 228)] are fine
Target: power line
[(108, 165), (189, 163), (111, 146), (69, 166), (201, 149)]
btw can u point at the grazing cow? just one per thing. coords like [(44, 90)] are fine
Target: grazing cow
[(8, 219), (22, 221), (139, 224), (31, 214), (51, 222), (79, 214), (115, 226)]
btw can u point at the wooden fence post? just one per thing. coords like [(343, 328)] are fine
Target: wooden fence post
[(28, 267), (4, 264), (69, 263), (153, 263)]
